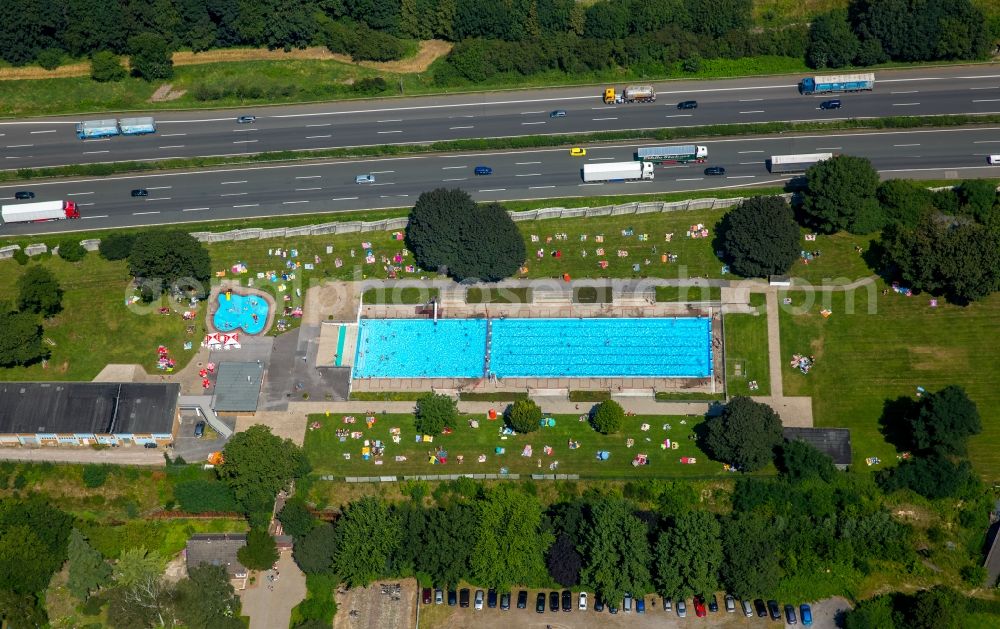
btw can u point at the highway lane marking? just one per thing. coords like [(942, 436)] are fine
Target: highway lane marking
[(590, 184), (344, 199), (494, 190), (46, 131), (248, 205), (171, 135), (748, 163), (755, 111), (456, 179), (988, 87), (226, 183), (692, 179), (323, 124), (599, 119), (292, 202), (194, 209), (83, 204), (452, 167), (527, 123), (906, 145), (908, 92), (233, 194), (749, 100), (382, 132), (829, 148), (384, 183), (94, 152), (744, 152), (174, 146), (18, 146), (148, 199), (160, 188), (461, 116), (306, 189), (529, 175), (144, 213), (986, 141), (539, 187), (599, 159), (243, 130), (904, 104), (77, 194), (96, 216), (467, 127), (986, 100), (314, 137), (381, 172), (525, 163), (309, 176), (392, 196), (392, 120), (739, 177), (679, 116), (244, 141), (525, 113)]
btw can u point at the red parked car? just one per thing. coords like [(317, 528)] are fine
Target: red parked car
[(427, 596), (699, 606)]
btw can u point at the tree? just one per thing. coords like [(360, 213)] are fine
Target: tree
[(137, 566), (367, 537), (608, 417), (750, 568), (688, 555), (38, 291), (903, 201), (448, 231), (564, 562), (978, 197), (206, 599), (616, 548), (72, 251), (24, 566), (95, 475), (314, 553), (800, 460), (523, 415), (745, 434), (20, 339), (945, 420), (260, 553), (204, 495), (938, 607), (88, 570), (435, 412), (832, 43), (447, 551), (760, 237), (106, 66), (50, 58), (933, 476), (116, 246), (296, 518), (840, 195), (21, 610), (509, 542), (171, 257), (258, 464), (150, 57), (873, 613)]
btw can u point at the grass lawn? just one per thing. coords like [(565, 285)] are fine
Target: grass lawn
[(498, 296), (688, 293), (326, 451), (95, 327), (864, 359), (398, 296), (747, 352)]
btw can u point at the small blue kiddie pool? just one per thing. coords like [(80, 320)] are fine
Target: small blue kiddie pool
[(248, 312)]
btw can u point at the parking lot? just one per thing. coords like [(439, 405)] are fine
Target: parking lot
[(445, 617)]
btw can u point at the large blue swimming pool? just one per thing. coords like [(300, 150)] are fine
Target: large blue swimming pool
[(539, 348), (248, 312)]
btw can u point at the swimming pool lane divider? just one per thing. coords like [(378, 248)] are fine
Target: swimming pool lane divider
[(489, 343)]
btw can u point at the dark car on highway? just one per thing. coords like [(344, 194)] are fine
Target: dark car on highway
[(559, 113), (687, 104), (540, 603), (24, 194), (554, 601), (522, 599), (140, 192), (830, 104), (246, 119), (715, 170)]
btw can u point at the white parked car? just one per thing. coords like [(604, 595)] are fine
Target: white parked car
[(583, 601)]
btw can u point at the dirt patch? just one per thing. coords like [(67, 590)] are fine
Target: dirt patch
[(427, 53), (165, 93), (377, 606)]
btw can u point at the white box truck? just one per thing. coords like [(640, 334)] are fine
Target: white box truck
[(796, 163), (40, 211), (617, 171)]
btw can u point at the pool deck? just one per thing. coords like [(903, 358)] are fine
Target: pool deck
[(214, 304)]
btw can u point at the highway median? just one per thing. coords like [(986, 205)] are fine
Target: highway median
[(666, 134)]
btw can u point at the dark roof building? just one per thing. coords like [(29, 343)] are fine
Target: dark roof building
[(836, 442), (237, 387), (34, 411), (992, 562), (218, 549)]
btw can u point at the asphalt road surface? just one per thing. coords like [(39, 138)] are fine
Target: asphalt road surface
[(328, 186), (922, 91)]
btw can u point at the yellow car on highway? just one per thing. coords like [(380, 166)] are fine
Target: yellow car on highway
[(577, 152)]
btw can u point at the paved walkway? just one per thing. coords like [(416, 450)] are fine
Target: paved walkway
[(552, 405), (774, 343), (128, 455), (272, 608)]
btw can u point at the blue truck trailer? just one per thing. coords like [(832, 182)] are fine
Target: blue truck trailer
[(831, 84), (89, 129), (137, 126)]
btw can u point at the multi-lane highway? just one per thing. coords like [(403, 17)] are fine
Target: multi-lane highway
[(328, 186), (925, 91)]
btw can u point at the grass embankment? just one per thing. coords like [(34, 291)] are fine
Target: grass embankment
[(326, 451)]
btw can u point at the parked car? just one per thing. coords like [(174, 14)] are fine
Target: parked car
[(479, 600), (364, 179), (246, 119), (553, 601), (140, 192), (491, 598), (452, 598), (199, 429), (540, 603), (505, 601), (747, 608), (149, 444), (640, 605), (713, 171), (682, 609), (790, 617), (577, 152), (772, 607), (582, 602), (438, 596), (612, 608), (830, 104), (730, 603), (627, 604), (24, 194), (713, 604), (687, 104), (463, 597), (426, 596), (598, 605), (522, 599), (760, 607), (667, 605), (483, 170), (699, 606), (805, 612), (559, 113)]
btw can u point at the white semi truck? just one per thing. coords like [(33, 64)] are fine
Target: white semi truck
[(617, 171), (40, 211)]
